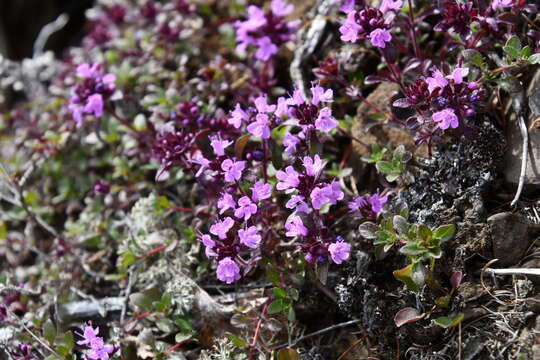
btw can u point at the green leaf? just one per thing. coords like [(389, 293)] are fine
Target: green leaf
[(384, 167), (399, 153), (412, 250), (368, 230), (272, 275), (400, 224), (239, 343), (3, 230), (445, 232), (294, 294), (405, 275), (473, 57), (69, 341), (512, 48), (534, 59), (287, 354), (280, 293), (407, 315), (183, 324), (392, 177), (182, 336), (435, 253), (383, 237), (276, 307), (128, 258), (291, 315), (49, 332), (526, 52), (443, 301), (146, 299), (448, 322), (424, 232), (165, 324)]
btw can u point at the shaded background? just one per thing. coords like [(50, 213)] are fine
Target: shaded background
[(21, 21)]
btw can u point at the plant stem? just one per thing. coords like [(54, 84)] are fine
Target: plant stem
[(413, 31)]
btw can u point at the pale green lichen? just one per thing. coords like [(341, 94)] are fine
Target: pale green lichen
[(223, 349)]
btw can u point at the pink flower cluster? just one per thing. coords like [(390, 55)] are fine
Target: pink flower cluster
[(369, 23), (369, 205), (245, 199), (444, 101), (308, 194), (266, 31), (308, 116), (89, 96), (98, 349)]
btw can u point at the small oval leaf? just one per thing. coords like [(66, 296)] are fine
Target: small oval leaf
[(407, 315)]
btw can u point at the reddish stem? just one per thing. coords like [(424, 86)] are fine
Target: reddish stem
[(153, 251), (258, 329)]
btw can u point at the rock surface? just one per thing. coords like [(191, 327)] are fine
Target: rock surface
[(513, 156), (509, 234)]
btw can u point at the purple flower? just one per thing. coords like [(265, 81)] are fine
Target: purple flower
[(348, 6), (228, 271), (266, 49), (237, 117), (102, 353), (379, 37), (220, 228), (368, 23), (250, 237), (226, 202), (295, 227), (261, 103), (357, 203), (260, 191), (260, 127), (313, 166), (436, 81), (199, 159), (289, 179), (446, 118), (265, 31), (280, 8), (100, 350), (321, 95), (458, 74), (501, 4), (209, 245), (339, 251), (297, 202), (245, 208), (282, 108), (290, 142), (89, 335), (328, 194), (297, 98), (89, 96), (390, 5), (325, 122), (350, 29), (88, 71), (219, 145), (377, 202), (232, 169)]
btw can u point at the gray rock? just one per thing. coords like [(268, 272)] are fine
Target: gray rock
[(513, 156), (509, 234), (533, 263)]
